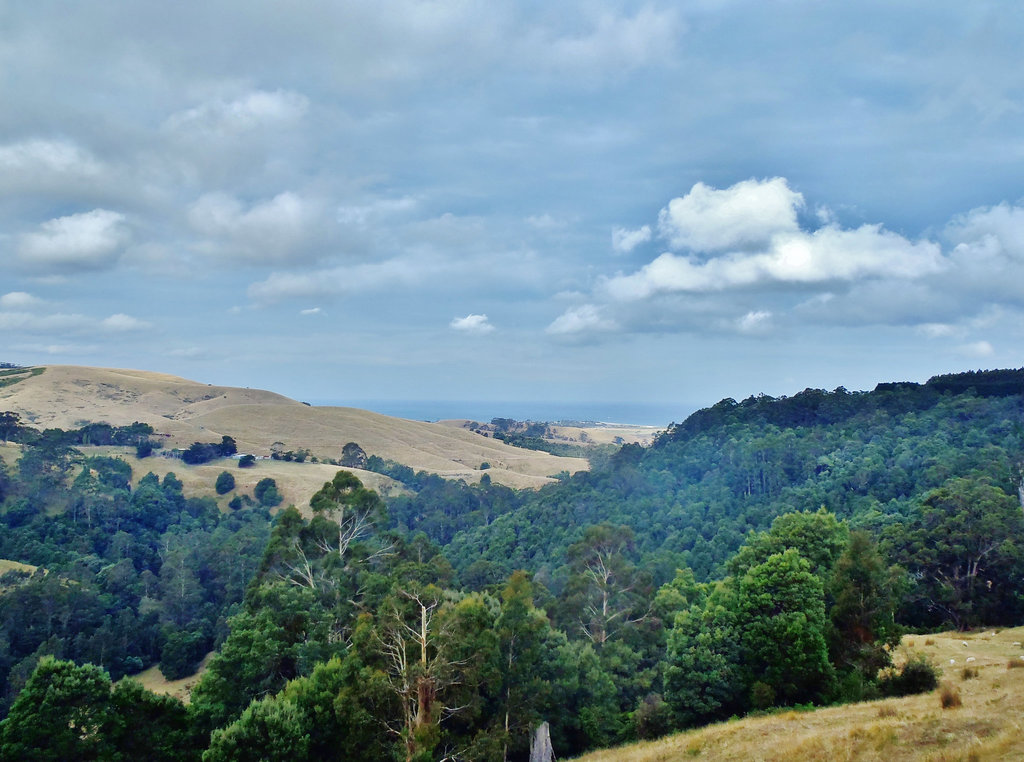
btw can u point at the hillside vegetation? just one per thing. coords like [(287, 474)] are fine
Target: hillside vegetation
[(183, 411), (982, 728), (762, 556)]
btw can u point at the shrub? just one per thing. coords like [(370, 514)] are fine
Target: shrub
[(225, 483), (918, 675), (969, 673), (1014, 664), (247, 461), (266, 493), (949, 696), (236, 503), (652, 718)]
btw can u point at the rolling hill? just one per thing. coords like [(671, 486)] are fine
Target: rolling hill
[(184, 411)]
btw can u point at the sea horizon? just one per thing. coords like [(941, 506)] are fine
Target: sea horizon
[(657, 414)]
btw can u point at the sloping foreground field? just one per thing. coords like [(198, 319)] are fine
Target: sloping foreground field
[(989, 724), (184, 411)]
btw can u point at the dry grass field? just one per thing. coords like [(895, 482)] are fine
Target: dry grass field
[(6, 566), (988, 725), (592, 434), (183, 412), (297, 482), (153, 680)]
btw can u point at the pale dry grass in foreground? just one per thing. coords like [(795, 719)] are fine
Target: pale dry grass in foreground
[(988, 726)]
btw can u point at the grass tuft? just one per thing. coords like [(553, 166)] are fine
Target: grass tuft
[(969, 673), (949, 696)]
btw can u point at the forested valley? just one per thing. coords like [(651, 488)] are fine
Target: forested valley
[(760, 554)]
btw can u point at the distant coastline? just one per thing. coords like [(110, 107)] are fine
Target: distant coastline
[(637, 414)]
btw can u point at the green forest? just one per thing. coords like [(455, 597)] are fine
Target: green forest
[(760, 554)]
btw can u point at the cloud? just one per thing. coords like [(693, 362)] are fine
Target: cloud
[(19, 300), (258, 108), (755, 322), (403, 271), (586, 318), (359, 215), (282, 229), (826, 255), (69, 323), (748, 213), (609, 44), (87, 241), (311, 311), (54, 157), (977, 349), (474, 324), (121, 323), (625, 240)]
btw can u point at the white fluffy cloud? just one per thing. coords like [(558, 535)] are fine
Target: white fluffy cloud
[(282, 229), (19, 300), (826, 255), (249, 111), (56, 157), (586, 318), (748, 213), (121, 323), (87, 241), (625, 240), (475, 324)]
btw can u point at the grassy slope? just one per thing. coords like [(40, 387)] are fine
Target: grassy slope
[(988, 725), (153, 680), (186, 411)]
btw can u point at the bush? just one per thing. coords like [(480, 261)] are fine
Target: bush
[(266, 493), (225, 483), (653, 718), (247, 461), (918, 675), (236, 503), (969, 673)]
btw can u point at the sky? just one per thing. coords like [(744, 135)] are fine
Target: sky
[(514, 202)]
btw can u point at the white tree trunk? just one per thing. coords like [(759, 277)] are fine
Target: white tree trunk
[(540, 745)]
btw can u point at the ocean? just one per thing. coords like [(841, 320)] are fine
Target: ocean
[(636, 413)]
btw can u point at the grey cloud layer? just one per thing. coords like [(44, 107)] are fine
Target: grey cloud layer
[(512, 170)]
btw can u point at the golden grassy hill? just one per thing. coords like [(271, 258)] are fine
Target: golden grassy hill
[(184, 411), (987, 726)]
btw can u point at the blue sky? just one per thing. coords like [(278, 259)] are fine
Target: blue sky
[(579, 202)]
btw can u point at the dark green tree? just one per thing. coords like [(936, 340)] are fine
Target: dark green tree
[(225, 483), (780, 605)]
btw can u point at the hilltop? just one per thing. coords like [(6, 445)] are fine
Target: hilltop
[(184, 411)]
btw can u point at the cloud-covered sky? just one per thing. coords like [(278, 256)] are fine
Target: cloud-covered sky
[(574, 202)]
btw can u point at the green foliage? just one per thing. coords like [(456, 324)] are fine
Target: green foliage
[(781, 605), (266, 493), (225, 483), (247, 461), (865, 598), (964, 549), (69, 712), (917, 675)]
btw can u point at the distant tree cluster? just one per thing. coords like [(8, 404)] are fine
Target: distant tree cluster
[(202, 452)]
